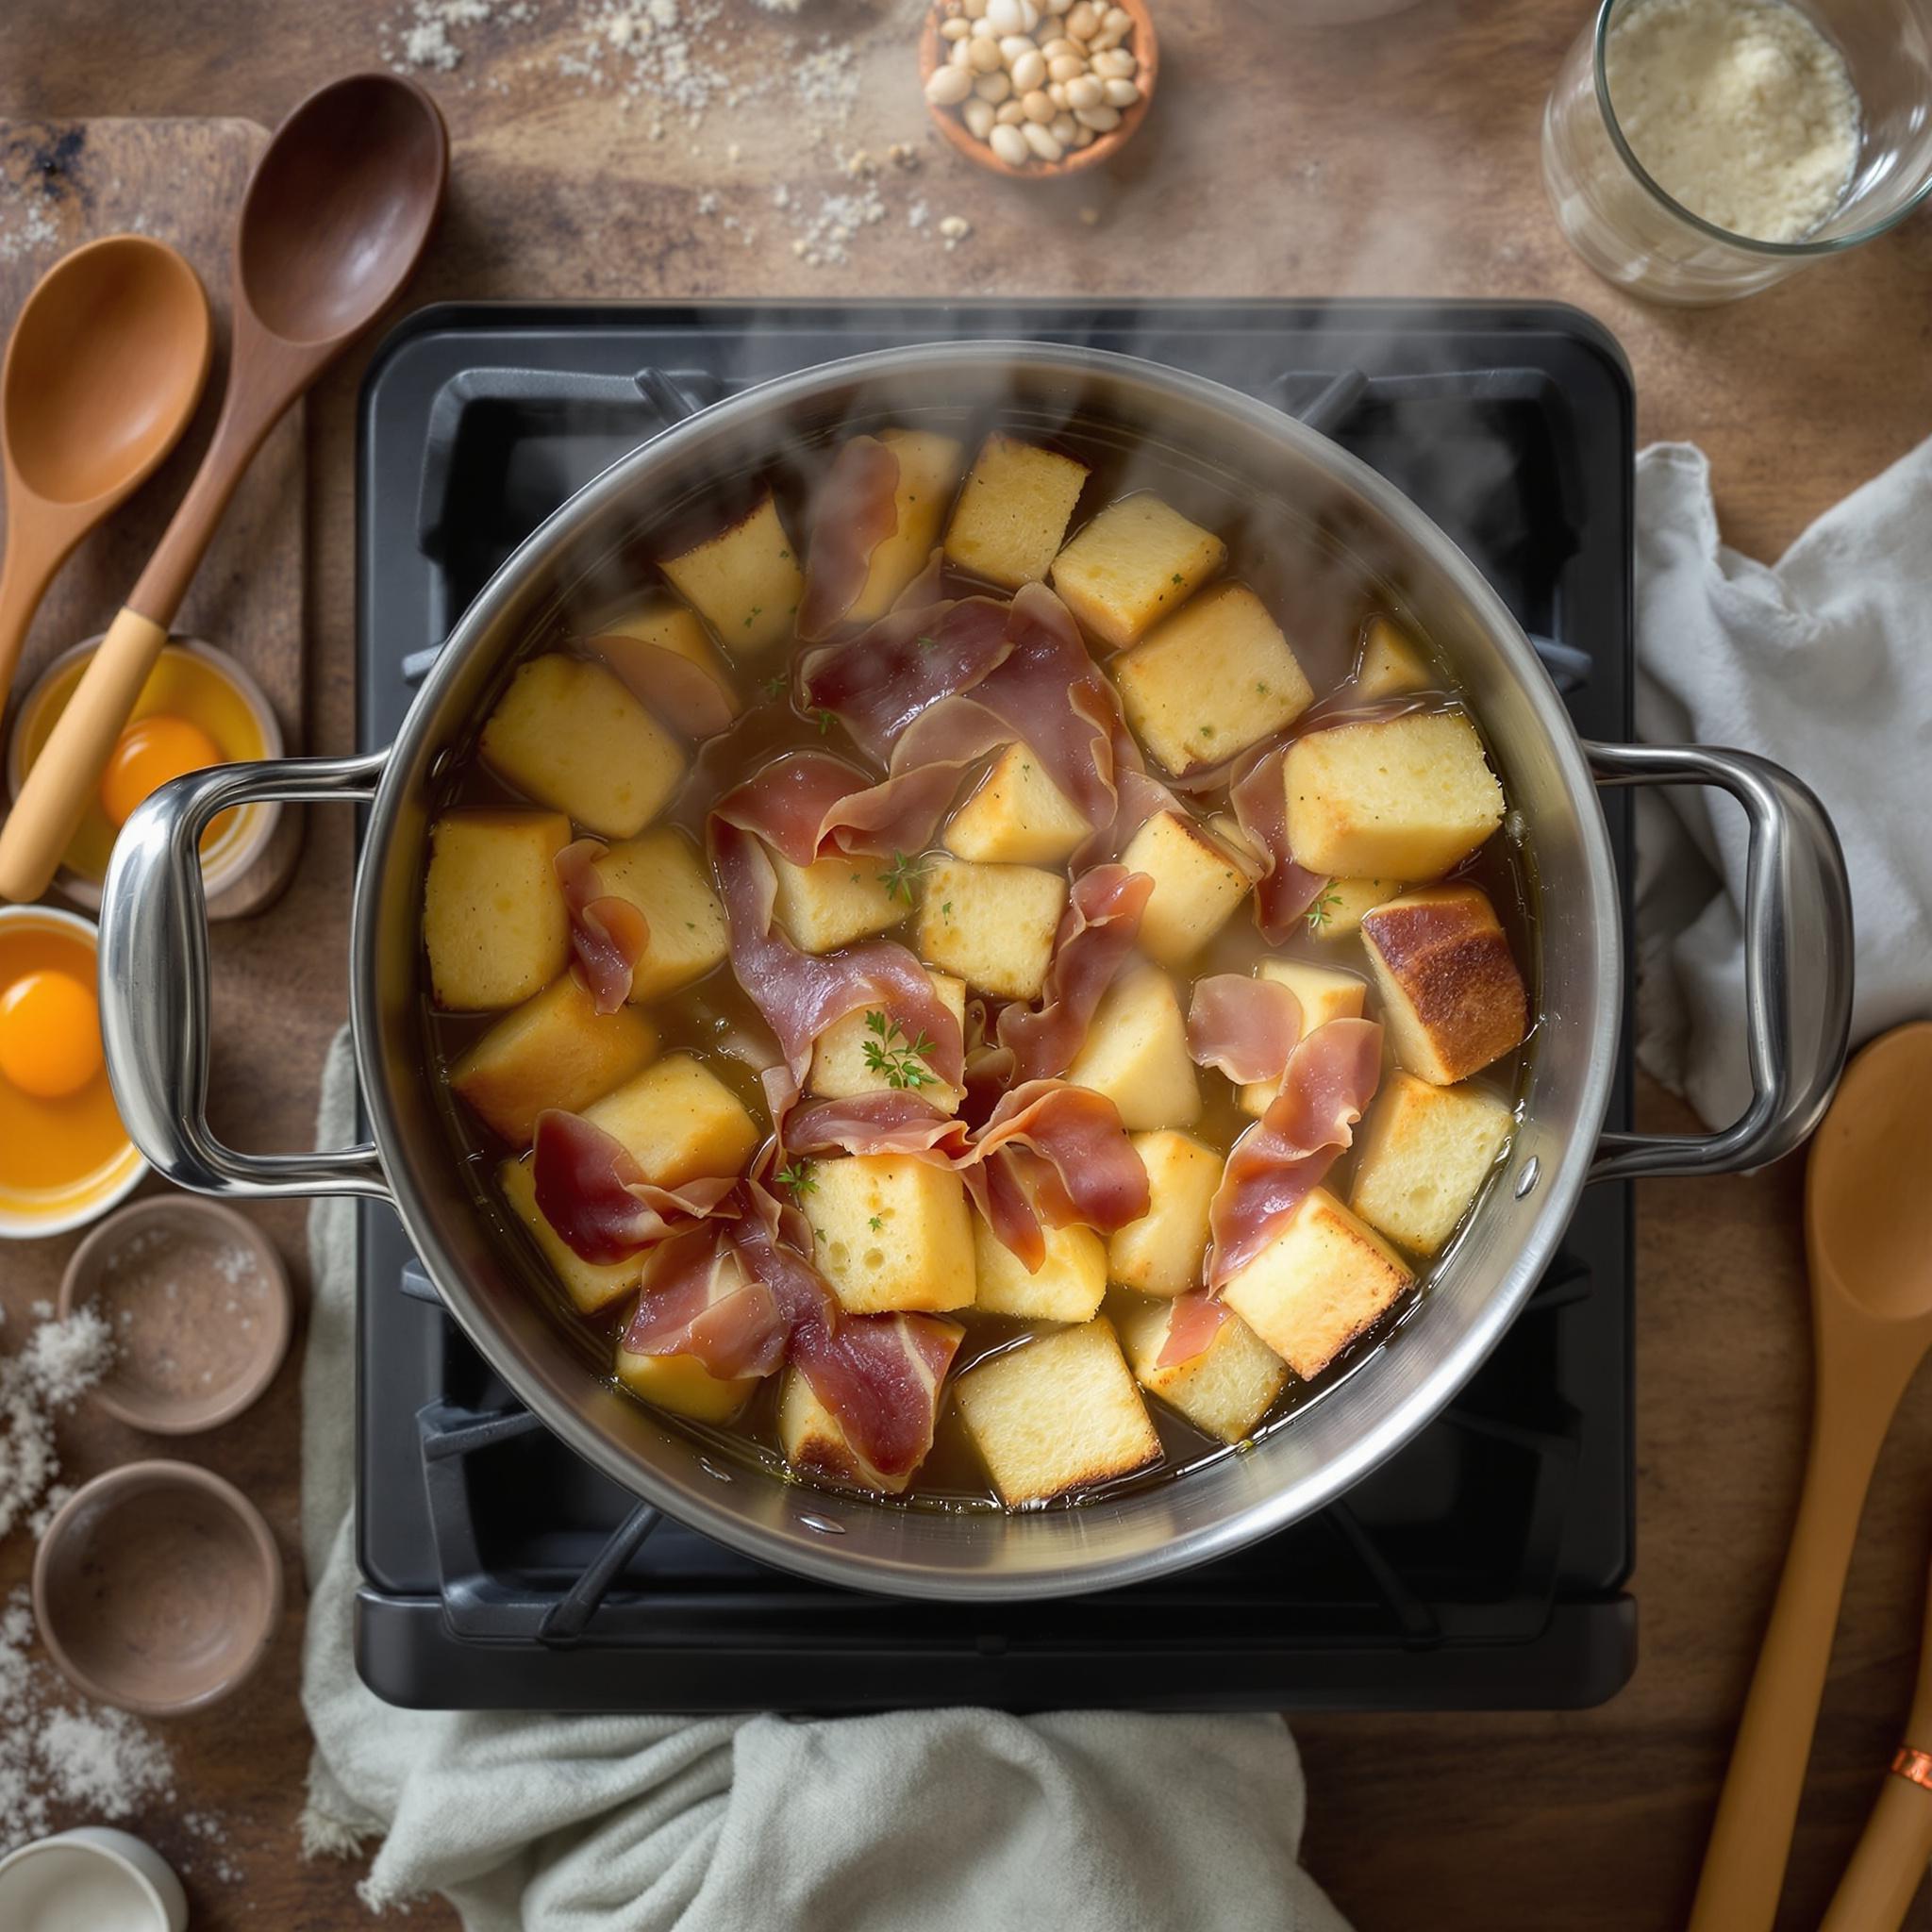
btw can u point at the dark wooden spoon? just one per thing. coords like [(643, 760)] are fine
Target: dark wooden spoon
[(336, 218)]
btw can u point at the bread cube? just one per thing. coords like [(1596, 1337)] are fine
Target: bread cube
[(662, 875), (1013, 511), (1321, 1282), (1135, 562), (814, 1440), (1136, 1053), (1164, 1252), (891, 1232), (838, 1066), (833, 901), (1069, 1285), (1325, 992), (554, 1050), (745, 581), (1058, 1413), (928, 468), (494, 919), (569, 735), (1337, 913), (992, 925), (682, 1384), (1224, 1390), (1425, 1152), (1452, 996), (1196, 884), (589, 1285), (1016, 816), (1212, 679), (680, 1122), (665, 626), (1390, 666), (1401, 798)]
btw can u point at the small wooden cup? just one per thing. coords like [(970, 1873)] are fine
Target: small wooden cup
[(933, 52)]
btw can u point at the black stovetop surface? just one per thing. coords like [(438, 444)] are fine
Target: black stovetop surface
[(1481, 1567)]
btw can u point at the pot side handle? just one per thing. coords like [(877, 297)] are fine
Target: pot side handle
[(153, 981), (1797, 960)]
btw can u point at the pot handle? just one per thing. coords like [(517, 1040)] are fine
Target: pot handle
[(153, 981), (1797, 960)]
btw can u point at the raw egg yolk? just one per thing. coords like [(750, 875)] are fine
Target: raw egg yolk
[(152, 751), (50, 1034)]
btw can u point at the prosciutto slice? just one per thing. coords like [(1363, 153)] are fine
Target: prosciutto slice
[(1193, 1322), (1285, 891), (607, 935), (856, 512), (1330, 1079), (699, 1299), (1247, 1027), (684, 694), (1096, 932), (592, 1191)]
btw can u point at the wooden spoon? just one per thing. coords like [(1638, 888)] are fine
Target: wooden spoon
[(105, 364), (1867, 1228), (337, 215)]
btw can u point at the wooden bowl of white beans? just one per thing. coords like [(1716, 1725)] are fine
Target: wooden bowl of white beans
[(1035, 89)]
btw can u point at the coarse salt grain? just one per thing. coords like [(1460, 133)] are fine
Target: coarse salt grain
[(54, 1367)]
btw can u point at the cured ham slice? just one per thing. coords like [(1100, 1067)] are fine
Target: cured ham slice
[(1096, 932), (1247, 1027), (855, 513), (1285, 891), (1331, 1078), (882, 1375), (684, 694), (607, 935), (590, 1190), (1193, 1322), (699, 1299)]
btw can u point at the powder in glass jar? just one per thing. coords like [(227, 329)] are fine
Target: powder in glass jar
[(1741, 110)]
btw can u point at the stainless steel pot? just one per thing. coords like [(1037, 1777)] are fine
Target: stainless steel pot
[(155, 988)]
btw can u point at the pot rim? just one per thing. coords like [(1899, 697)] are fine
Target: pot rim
[(1560, 1181)]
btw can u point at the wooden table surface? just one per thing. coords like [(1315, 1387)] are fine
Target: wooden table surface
[(1396, 159)]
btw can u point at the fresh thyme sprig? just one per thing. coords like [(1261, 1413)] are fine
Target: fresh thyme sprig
[(799, 1178), (1322, 910), (904, 875), (901, 1060)]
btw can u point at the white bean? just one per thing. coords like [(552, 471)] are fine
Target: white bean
[(1029, 14), (1122, 93), (1042, 142), (977, 115), (1009, 114), (1117, 20), (962, 55), (1013, 46), (1063, 128), (1083, 20), (976, 9), (1029, 71), (992, 87), (1086, 92), (957, 29), (1057, 93), (1057, 7), (1005, 15), (1115, 63), (1102, 119), (985, 57), (1061, 50), (1011, 145), (1036, 107), (1084, 137), (948, 86), (1065, 67), (1104, 41)]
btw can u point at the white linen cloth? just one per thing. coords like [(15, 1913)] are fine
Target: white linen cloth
[(1822, 662), (947, 1820)]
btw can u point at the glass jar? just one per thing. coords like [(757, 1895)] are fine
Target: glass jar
[(1636, 236)]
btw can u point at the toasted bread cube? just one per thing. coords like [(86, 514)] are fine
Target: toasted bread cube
[(1164, 1252), (1130, 566), (745, 581), (1212, 679), (666, 626), (682, 1384), (1425, 1152), (992, 925), (589, 1286), (839, 1068), (833, 901), (1337, 913), (891, 1232), (1056, 1413), (1136, 1053), (661, 875), (1197, 885), (1325, 992), (494, 919), (1321, 1282), (554, 1050), (1390, 666), (1069, 1285), (1013, 511), (679, 1120), (814, 1440), (1452, 996), (1224, 1390), (1016, 816), (569, 735), (1401, 798), (928, 468)]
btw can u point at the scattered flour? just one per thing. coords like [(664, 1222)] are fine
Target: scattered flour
[(57, 1365), (1739, 109)]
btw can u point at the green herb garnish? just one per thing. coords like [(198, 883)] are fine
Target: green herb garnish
[(927, 644), (826, 721), (799, 1178), (775, 684), (1322, 910), (901, 1060), (875, 1223), (905, 873)]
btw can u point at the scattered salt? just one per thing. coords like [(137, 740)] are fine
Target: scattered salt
[(54, 1367)]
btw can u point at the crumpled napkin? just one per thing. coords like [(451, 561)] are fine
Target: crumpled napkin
[(1822, 662), (947, 1820)]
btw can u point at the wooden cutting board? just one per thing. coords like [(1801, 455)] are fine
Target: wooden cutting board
[(66, 182)]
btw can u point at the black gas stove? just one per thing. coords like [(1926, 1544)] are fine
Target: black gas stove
[(1481, 1567)]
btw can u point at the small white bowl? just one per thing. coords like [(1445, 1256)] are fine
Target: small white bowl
[(94, 1879)]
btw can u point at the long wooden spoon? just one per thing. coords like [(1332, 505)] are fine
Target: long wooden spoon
[(106, 363), (1868, 1232), (337, 215)]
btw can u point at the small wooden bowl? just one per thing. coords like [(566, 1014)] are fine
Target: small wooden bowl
[(933, 51)]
